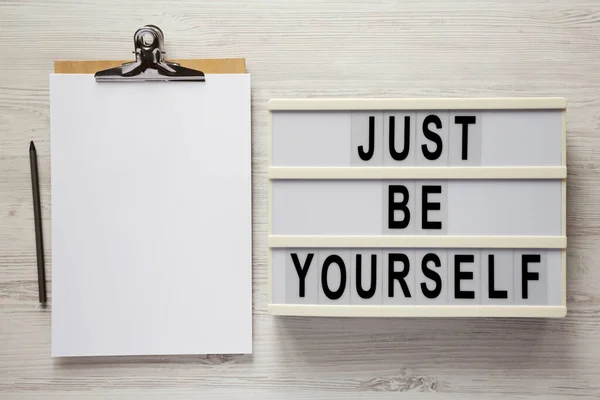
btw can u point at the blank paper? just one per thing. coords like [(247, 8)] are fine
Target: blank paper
[(151, 216)]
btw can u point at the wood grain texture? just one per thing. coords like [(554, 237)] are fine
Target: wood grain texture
[(316, 48)]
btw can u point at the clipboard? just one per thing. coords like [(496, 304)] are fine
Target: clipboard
[(209, 66), (158, 244)]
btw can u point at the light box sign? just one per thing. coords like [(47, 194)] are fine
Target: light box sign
[(417, 207)]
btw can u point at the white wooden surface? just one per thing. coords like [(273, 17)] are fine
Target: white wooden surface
[(304, 49)]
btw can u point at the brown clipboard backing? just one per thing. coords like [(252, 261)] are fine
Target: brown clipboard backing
[(208, 66)]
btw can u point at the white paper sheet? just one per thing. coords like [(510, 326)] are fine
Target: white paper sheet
[(151, 216)]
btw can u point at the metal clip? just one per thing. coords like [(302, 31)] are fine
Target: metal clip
[(149, 64)]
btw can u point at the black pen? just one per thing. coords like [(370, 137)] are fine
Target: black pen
[(37, 215)]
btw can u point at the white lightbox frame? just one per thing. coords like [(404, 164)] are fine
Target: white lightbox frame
[(418, 241)]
